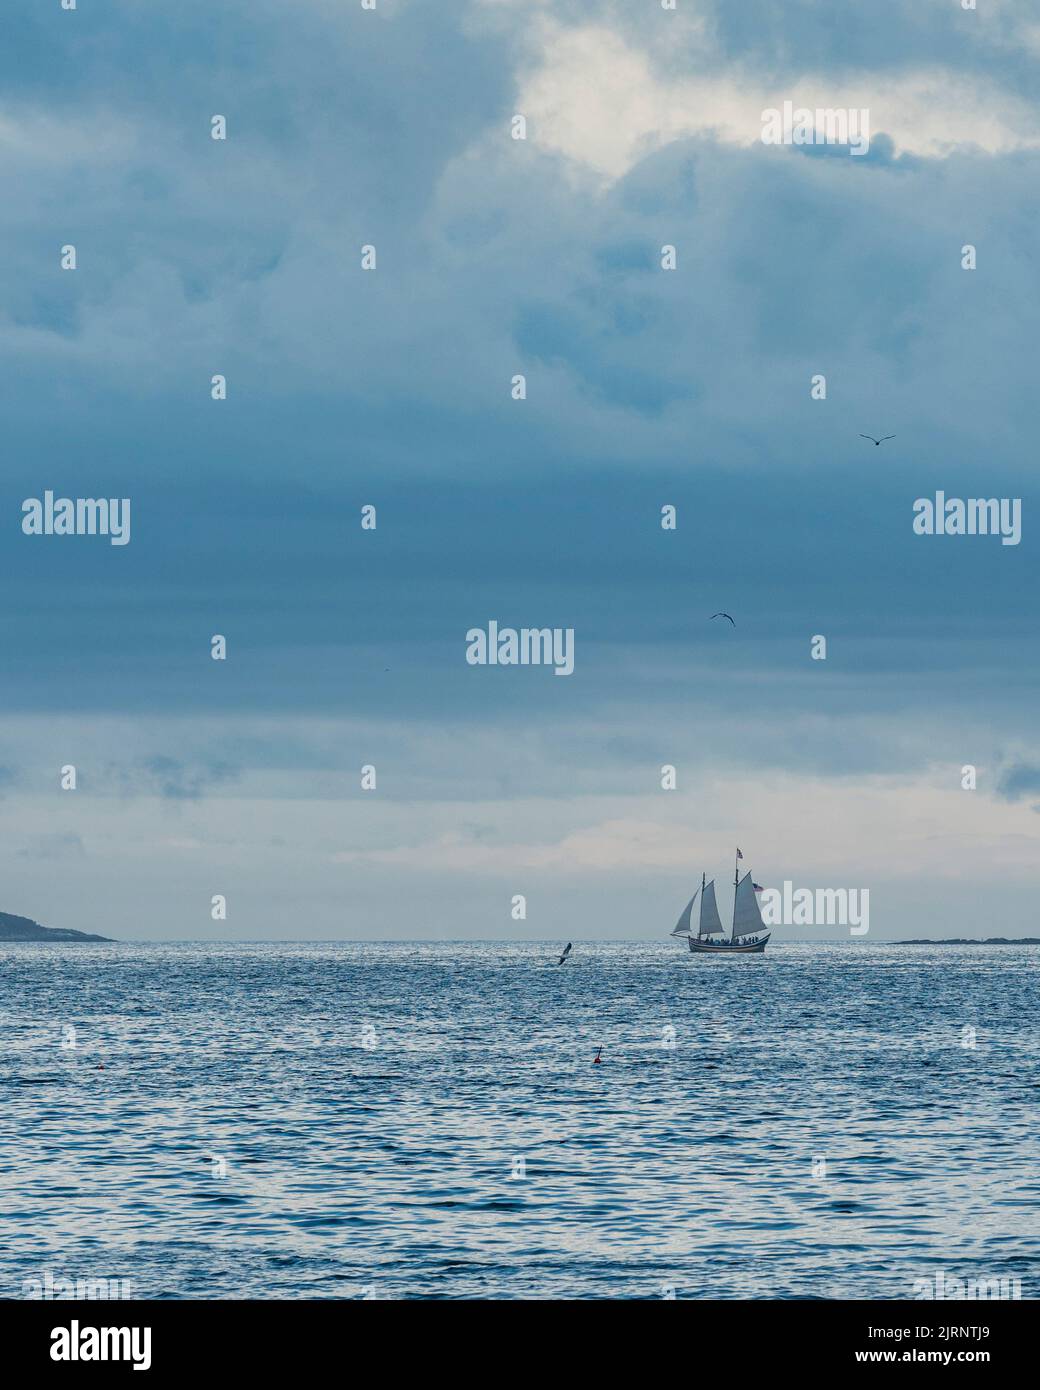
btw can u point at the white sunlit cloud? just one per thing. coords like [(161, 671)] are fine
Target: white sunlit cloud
[(601, 102)]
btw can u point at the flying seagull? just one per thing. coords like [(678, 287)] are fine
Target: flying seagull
[(876, 442), (566, 953), (721, 615)]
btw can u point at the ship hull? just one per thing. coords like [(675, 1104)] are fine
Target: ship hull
[(699, 947)]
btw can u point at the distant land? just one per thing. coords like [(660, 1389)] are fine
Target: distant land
[(969, 941), (25, 929)]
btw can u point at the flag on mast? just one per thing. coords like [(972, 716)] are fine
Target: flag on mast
[(739, 855)]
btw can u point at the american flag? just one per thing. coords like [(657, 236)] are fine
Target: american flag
[(739, 855)]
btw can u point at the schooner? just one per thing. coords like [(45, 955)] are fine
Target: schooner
[(749, 935)]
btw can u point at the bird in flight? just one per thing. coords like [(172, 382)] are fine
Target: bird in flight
[(566, 953), (876, 442), (721, 615)]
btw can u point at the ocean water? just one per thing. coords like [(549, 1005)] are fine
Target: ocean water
[(425, 1120)]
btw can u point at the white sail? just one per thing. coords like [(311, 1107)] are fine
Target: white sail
[(682, 927), (747, 920), (710, 919)]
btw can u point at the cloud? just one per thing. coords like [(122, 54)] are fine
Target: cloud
[(170, 778), (1018, 781), (53, 846), (597, 98), (891, 828), (645, 387), (613, 845)]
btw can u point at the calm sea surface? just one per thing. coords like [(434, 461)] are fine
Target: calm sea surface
[(369, 1104)]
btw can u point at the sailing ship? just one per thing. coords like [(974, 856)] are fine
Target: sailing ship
[(749, 935)]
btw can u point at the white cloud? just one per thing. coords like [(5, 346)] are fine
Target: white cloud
[(593, 97), (875, 827)]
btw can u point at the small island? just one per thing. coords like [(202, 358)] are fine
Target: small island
[(969, 941), (14, 928)]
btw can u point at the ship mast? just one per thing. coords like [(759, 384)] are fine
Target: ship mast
[(736, 885)]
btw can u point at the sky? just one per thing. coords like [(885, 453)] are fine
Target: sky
[(645, 388)]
